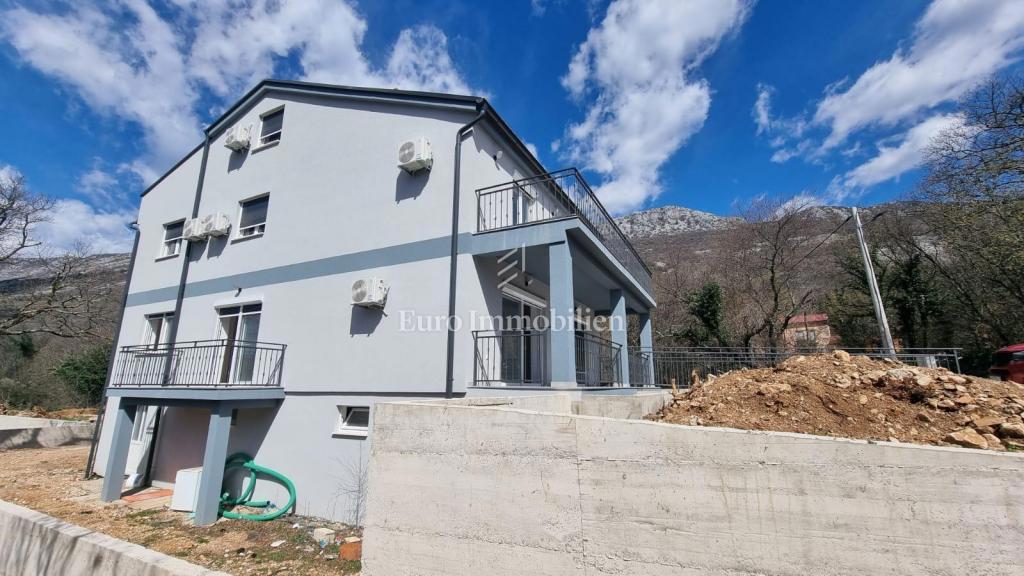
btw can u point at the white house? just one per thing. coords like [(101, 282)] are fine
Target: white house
[(300, 264)]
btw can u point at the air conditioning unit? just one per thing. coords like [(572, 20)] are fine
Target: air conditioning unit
[(216, 224), (193, 230), (369, 292), (237, 138), (415, 155)]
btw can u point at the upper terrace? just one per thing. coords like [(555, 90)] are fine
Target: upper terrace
[(559, 195)]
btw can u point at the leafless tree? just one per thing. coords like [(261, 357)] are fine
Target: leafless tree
[(973, 208), (766, 267), (63, 300)]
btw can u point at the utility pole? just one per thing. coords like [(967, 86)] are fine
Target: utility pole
[(876, 296)]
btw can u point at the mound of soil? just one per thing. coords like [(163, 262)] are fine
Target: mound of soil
[(858, 397)]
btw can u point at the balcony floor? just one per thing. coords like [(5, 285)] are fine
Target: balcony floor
[(163, 394)]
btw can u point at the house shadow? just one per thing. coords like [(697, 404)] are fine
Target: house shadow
[(364, 321)]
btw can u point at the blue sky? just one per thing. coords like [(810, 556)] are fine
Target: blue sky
[(701, 103)]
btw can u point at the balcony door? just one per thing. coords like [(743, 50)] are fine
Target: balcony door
[(239, 327), (522, 347)]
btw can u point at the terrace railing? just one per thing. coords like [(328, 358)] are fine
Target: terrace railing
[(205, 363), (553, 196), (597, 361), (681, 364), (510, 358)]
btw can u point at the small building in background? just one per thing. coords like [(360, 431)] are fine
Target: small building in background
[(808, 332)]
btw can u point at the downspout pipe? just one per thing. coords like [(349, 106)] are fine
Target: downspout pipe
[(449, 383), (91, 460)]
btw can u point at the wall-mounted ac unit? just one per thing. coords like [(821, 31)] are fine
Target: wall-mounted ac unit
[(415, 155), (369, 292), (216, 224), (193, 230), (237, 138)]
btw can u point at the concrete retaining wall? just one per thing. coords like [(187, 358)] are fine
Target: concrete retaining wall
[(22, 432), (458, 489), (32, 544)]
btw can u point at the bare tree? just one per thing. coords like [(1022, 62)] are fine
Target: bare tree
[(973, 209), (767, 267), (63, 300)]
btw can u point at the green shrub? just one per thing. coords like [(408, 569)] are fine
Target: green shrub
[(85, 373)]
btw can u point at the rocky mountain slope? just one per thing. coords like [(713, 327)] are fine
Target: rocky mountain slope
[(669, 220)]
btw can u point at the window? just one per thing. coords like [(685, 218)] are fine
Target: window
[(353, 421), (253, 219), (158, 328), (172, 239), (270, 129), (240, 328)]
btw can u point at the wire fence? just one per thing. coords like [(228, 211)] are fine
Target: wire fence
[(682, 365)]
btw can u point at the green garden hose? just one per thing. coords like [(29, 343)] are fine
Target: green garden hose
[(243, 460)]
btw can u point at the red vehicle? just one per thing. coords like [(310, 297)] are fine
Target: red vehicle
[(1008, 363)]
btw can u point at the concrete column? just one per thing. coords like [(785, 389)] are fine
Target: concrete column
[(117, 456), (208, 499), (618, 330), (562, 306), (647, 341)]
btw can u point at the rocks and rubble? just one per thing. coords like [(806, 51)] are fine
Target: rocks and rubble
[(858, 397)]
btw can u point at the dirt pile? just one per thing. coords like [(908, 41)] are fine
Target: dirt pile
[(87, 414), (857, 397)]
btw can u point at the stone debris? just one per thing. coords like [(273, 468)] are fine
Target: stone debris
[(858, 397)]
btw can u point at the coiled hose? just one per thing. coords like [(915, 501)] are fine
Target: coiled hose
[(243, 460)]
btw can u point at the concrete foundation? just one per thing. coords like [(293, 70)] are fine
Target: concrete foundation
[(32, 543), (23, 432), (468, 489)]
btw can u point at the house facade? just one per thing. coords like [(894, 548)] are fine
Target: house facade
[(288, 274)]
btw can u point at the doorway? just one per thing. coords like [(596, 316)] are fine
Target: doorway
[(239, 327), (522, 345)]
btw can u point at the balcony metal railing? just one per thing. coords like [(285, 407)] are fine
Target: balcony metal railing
[(510, 358), (597, 361), (520, 358), (553, 196), (640, 368), (204, 363)]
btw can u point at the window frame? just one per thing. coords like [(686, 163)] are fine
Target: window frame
[(261, 229), (178, 241), (274, 137), (344, 428)]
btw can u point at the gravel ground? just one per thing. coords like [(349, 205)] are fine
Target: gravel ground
[(49, 481)]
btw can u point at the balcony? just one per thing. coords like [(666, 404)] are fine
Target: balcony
[(200, 364), (519, 358), (555, 196)]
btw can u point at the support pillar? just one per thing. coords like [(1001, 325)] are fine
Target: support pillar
[(117, 456), (208, 499), (562, 305), (618, 327), (647, 342)]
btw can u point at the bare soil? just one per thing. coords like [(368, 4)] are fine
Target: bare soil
[(50, 481), (857, 397), (82, 414)]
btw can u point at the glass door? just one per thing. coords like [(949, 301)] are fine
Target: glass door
[(239, 328)]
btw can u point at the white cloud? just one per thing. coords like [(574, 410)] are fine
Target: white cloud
[(782, 131), (636, 71), (891, 161), (956, 44), (128, 62), (74, 223), (8, 173)]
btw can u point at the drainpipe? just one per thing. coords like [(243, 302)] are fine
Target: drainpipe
[(453, 269), (173, 336), (91, 460)]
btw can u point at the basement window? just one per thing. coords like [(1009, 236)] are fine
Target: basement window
[(353, 421)]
